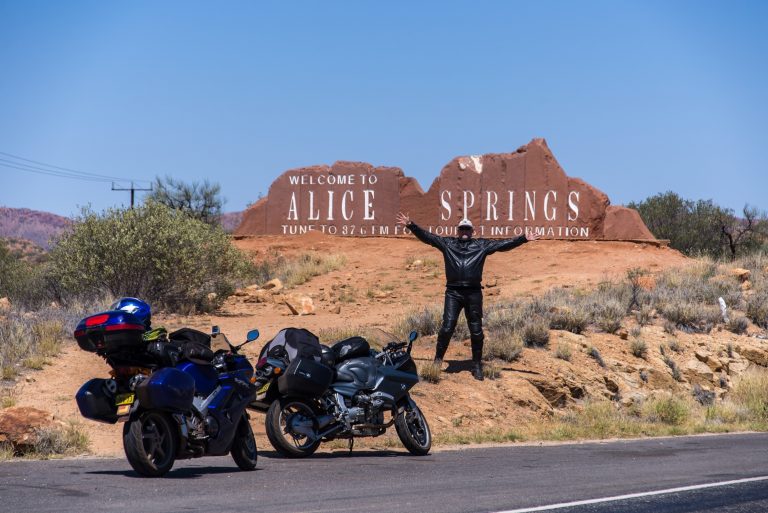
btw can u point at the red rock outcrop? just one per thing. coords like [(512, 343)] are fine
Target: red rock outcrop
[(503, 194), (19, 426)]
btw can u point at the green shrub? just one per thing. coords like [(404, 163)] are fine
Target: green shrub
[(669, 410), (153, 252)]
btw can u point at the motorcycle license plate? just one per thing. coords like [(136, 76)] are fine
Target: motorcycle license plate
[(262, 392), (124, 402), (123, 399)]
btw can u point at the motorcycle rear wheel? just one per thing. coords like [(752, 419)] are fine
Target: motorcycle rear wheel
[(150, 441), (280, 414), (244, 450), (413, 430)]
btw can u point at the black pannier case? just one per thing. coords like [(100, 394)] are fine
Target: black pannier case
[(353, 347), (95, 403), (305, 377), (167, 389)]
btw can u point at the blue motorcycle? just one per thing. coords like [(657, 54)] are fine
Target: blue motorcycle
[(177, 397)]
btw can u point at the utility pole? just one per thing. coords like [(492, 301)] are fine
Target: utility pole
[(132, 189)]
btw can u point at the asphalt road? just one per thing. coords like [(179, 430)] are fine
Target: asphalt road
[(489, 479)]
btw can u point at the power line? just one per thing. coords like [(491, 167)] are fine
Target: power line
[(48, 172), (65, 169), (53, 173)]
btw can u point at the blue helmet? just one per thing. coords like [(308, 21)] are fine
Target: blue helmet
[(134, 306)]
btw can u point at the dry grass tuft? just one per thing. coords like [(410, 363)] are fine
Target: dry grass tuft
[(574, 320), (639, 348), (535, 332), (609, 316), (738, 325), (430, 372), (426, 321), (491, 370), (668, 410), (69, 440), (757, 309), (507, 347), (751, 392), (594, 353), (330, 336), (564, 351), (644, 315)]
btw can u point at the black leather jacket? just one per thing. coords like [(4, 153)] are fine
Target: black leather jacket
[(464, 259)]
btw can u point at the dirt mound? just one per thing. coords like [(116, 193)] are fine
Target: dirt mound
[(378, 283)]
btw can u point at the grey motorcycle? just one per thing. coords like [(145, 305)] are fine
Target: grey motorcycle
[(353, 391)]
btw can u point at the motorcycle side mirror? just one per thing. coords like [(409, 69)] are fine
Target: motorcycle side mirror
[(215, 330), (413, 336), (252, 335)]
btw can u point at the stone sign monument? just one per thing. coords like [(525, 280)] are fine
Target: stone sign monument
[(503, 194)]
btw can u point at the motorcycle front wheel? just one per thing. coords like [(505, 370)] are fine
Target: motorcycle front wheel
[(413, 430), (244, 450), (285, 419), (150, 441)]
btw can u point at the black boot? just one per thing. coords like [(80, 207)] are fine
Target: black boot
[(477, 370), (440, 352), (477, 359), (443, 339)]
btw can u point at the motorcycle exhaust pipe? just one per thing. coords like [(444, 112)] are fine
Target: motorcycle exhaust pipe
[(329, 431)]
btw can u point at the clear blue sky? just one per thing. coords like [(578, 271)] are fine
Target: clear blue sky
[(634, 97)]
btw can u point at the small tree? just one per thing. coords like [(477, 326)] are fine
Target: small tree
[(698, 227), (201, 201), (153, 252), (740, 233)]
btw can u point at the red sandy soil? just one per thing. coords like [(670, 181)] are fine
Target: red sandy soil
[(457, 402)]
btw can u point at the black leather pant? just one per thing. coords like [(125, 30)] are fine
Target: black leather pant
[(471, 300)]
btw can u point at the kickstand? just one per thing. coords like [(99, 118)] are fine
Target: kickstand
[(351, 443)]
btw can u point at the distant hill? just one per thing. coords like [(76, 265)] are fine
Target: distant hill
[(230, 220), (25, 249), (32, 225), (38, 227)]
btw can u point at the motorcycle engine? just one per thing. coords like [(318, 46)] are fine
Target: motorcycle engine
[(366, 410)]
